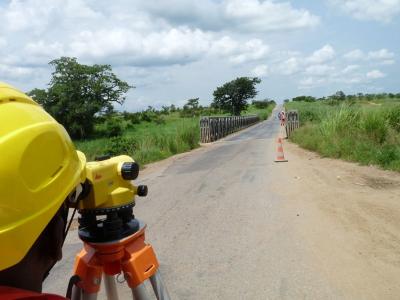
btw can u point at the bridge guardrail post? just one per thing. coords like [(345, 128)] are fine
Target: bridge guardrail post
[(214, 128), (292, 122)]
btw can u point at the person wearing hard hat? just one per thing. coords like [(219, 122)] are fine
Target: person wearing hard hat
[(39, 170), (283, 118)]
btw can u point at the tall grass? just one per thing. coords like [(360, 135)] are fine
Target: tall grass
[(351, 132), (148, 143)]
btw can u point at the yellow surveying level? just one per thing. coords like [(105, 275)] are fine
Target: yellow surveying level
[(110, 185), (114, 240)]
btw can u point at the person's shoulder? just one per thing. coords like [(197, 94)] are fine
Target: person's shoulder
[(10, 293)]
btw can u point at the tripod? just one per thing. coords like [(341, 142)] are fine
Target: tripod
[(130, 255), (113, 239)]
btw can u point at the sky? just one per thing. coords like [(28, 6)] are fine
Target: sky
[(175, 50)]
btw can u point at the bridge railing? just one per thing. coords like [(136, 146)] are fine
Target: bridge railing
[(214, 128), (292, 121)]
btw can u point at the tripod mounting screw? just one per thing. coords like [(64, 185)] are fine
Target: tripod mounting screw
[(129, 170), (142, 190)]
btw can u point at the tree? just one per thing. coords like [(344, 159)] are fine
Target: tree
[(339, 96), (232, 96), (172, 108), (165, 110), (262, 103), (77, 93), (191, 108), (192, 104), (305, 98)]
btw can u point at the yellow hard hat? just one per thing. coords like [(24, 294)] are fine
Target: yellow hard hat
[(39, 167)]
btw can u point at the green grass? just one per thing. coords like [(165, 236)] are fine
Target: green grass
[(367, 132), (263, 113), (148, 142)]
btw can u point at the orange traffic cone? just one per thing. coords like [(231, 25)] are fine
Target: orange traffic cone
[(280, 157)]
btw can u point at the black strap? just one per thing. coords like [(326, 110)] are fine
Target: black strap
[(72, 281)]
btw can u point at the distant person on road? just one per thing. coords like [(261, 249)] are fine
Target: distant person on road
[(283, 118), (43, 173)]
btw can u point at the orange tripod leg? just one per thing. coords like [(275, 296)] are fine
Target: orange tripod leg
[(131, 255), (89, 270), (140, 262)]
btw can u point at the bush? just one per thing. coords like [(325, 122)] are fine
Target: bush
[(260, 103), (121, 145), (113, 126), (159, 120), (309, 116), (393, 117), (146, 116), (388, 154), (133, 118), (375, 126)]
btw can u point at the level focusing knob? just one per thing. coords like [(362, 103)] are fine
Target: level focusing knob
[(142, 190), (129, 170)]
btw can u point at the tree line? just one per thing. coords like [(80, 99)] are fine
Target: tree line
[(340, 96), (82, 98)]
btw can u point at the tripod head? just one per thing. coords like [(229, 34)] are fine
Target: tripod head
[(108, 197)]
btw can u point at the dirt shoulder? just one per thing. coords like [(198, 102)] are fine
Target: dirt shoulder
[(350, 217)]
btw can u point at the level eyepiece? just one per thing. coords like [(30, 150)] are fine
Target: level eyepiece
[(129, 170)]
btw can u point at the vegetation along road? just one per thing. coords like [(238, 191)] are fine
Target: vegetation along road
[(229, 223)]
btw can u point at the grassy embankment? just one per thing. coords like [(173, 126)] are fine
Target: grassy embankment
[(363, 131), (148, 141)]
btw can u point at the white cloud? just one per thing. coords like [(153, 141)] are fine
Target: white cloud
[(225, 46), (37, 16), (204, 14), (388, 62), (252, 50), (121, 34), (233, 15), (376, 10), (319, 70), (322, 55), (354, 80), (381, 54), (15, 72), (238, 52), (375, 74), (311, 82), (324, 68), (40, 52), (350, 69), (255, 15), (289, 66), (355, 54), (260, 71), (173, 46), (3, 42)]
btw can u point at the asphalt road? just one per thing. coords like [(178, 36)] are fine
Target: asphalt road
[(219, 229)]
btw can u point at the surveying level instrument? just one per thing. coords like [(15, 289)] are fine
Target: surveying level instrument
[(114, 240)]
